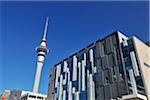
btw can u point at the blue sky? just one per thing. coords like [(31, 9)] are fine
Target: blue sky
[(73, 26)]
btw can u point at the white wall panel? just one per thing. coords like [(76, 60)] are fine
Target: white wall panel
[(134, 63), (74, 77), (122, 37), (77, 95), (79, 75), (65, 66), (65, 71), (83, 75), (64, 94), (56, 80), (91, 87), (70, 91), (88, 85), (58, 83), (73, 90), (68, 76), (133, 82), (93, 90), (60, 88)]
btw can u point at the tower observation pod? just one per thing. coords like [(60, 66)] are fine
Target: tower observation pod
[(41, 51)]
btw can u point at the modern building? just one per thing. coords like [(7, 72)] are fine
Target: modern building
[(113, 68)]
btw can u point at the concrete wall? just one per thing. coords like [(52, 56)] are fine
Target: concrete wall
[(143, 54)]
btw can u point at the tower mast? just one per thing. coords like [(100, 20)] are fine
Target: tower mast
[(41, 51)]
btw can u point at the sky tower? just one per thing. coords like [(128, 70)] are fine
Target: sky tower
[(42, 51)]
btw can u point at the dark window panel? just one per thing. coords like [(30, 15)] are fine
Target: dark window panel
[(114, 90), (111, 60), (122, 90), (108, 45), (107, 90), (104, 62)]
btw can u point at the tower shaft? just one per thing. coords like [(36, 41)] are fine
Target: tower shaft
[(37, 77)]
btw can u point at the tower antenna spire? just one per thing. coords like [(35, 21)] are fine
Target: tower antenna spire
[(46, 28)]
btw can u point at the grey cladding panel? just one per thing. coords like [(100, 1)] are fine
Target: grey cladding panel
[(107, 76), (109, 45), (104, 62), (111, 74), (118, 56), (107, 92), (122, 88), (111, 60), (101, 93), (106, 73), (99, 50), (114, 90), (100, 81), (114, 39), (99, 64), (116, 71)]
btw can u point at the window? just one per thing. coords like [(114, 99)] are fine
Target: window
[(106, 80), (103, 48), (125, 52), (32, 96), (114, 74), (39, 97)]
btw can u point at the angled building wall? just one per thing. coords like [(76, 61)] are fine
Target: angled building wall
[(135, 79), (143, 56)]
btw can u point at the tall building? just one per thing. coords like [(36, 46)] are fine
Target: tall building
[(42, 51), (113, 68)]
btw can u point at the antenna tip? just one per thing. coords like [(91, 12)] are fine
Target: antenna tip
[(47, 18)]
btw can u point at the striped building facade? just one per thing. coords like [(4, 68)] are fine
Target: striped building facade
[(105, 70)]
